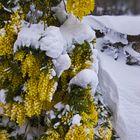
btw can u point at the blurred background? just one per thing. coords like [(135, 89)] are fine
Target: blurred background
[(117, 7)]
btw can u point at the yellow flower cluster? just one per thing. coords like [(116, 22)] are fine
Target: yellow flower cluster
[(39, 86), (20, 55), (16, 20), (4, 135), (30, 66), (46, 87), (90, 118), (31, 87), (81, 58), (39, 92), (66, 118), (51, 135), (33, 106), (80, 8), (8, 38), (80, 133), (7, 41), (16, 112)]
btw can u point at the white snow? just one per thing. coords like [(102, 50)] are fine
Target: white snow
[(56, 125), (63, 62), (2, 96), (120, 84), (76, 120), (123, 24), (60, 12), (18, 99), (85, 77), (59, 106), (52, 42), (29, 36), (95, 65), (53, 73), (114, 37), (51, 114), (74, 30)]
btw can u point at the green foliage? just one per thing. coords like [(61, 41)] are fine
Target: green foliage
[(4, 16), (81, 58), (80, 99)]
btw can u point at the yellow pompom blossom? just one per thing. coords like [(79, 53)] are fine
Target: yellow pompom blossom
[(7, 42), (51, 135), (31, 87), (33, 106), (91, 118), (16, 20), (30, 66), (39, 92), (81, 58), (80, 8), (4, 135), (8, 38), (29, 108), (20, 55), (80, 133), (16, 112), (7, 109), (46, 87), (66, 118), (20, 115)]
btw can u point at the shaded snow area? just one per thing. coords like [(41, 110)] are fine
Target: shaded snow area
[(120, 84)]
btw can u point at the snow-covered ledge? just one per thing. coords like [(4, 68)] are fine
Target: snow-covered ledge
[(121, 86)]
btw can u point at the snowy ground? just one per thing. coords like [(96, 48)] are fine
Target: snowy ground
[(121, 85)]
